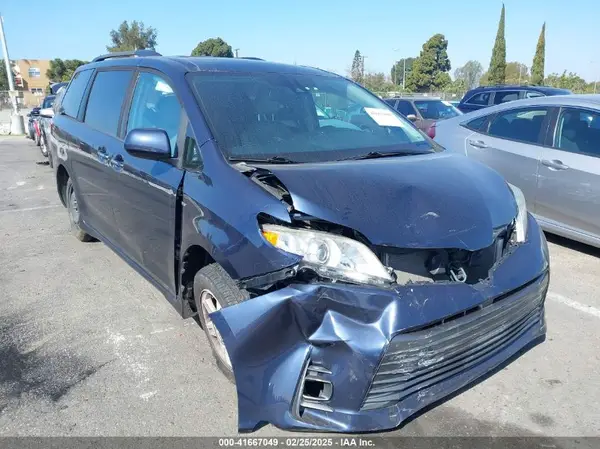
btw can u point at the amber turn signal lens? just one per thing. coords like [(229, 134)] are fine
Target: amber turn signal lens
[(270, 237)]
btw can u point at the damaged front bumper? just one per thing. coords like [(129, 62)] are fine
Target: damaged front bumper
[(350, 358)]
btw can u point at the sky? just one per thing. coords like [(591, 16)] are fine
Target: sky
[(320, 33)]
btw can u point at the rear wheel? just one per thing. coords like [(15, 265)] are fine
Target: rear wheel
[(74, 216), (214, 290), (43, 145)]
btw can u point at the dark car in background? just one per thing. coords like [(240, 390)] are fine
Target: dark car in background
[(346, 276), (31, 118), (54, 88), (423, 111), (40, 138), (485, 96)]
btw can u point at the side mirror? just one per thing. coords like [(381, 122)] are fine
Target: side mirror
[(412, 117), (148, 143), (47, 113)]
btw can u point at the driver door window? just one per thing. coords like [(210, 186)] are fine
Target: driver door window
[(155, 105)]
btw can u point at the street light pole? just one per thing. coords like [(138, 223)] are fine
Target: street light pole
[(363, 68), (11, 85), (404, 74), (16, 121)]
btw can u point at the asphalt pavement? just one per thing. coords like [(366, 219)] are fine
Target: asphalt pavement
[(89, 348)]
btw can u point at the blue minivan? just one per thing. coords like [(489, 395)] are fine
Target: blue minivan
[(347, 270)]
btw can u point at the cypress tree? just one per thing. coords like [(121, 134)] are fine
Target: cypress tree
[(497, 71), (537, 69)]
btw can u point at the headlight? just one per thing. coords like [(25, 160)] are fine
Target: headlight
[(328, 254), (521, 220)]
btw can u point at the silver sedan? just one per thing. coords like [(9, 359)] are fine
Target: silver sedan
[(549, 147)]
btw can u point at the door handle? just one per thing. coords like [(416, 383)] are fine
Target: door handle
[(477, 143), (117, 162), (101, 154), (554, 164)]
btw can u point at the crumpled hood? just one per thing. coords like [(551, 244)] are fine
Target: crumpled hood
[(441, 200)]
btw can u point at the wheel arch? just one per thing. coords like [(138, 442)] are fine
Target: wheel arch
[(62, 176), (193, 259)]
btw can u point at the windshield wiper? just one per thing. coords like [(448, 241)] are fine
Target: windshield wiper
[(378, 154), (269, 160)]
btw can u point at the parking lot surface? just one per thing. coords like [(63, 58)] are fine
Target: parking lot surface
[(88, 347)]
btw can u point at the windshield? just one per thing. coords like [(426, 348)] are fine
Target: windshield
[(48, 102), (436, 109), (303, 118)]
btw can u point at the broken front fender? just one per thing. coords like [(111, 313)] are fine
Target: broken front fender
[(353, 358)]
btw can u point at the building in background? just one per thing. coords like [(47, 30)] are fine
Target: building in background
[(31, 80)]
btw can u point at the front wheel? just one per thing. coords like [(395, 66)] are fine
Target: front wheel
[(74, 216), (213, 290)]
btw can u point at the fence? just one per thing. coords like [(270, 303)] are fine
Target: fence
[(449, 96)]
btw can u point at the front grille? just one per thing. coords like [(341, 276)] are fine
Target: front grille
[(417, 360)]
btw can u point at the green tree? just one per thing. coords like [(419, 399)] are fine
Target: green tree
[(515, 73), (570, 81), (497, 70), (537, 69), (4, 78), (397, 72), (132, 37), (470, 73), (430, 70), (62, 70), (376, 82), (357, 70), (213, 47), (458, 86)]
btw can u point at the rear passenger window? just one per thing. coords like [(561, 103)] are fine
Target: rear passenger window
[(481, 99), (533, 94), (578, 131), (405, 108), (506, 96), (524, 125), (106, 99), (74, 94)]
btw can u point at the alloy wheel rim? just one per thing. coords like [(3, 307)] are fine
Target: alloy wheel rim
[(74, 207), (210, 304)]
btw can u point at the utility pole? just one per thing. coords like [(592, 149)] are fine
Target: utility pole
[(236, 52), (16, 121), (363, 68), (11, 85), (404, 74)]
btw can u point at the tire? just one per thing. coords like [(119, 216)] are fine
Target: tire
[(43, 146), (74, 217), (212, 280)]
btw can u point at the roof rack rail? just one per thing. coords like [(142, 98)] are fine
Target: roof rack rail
[(126, 54), (254, 58)]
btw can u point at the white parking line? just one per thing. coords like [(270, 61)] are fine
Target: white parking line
[(574, 304), (26, 209)]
